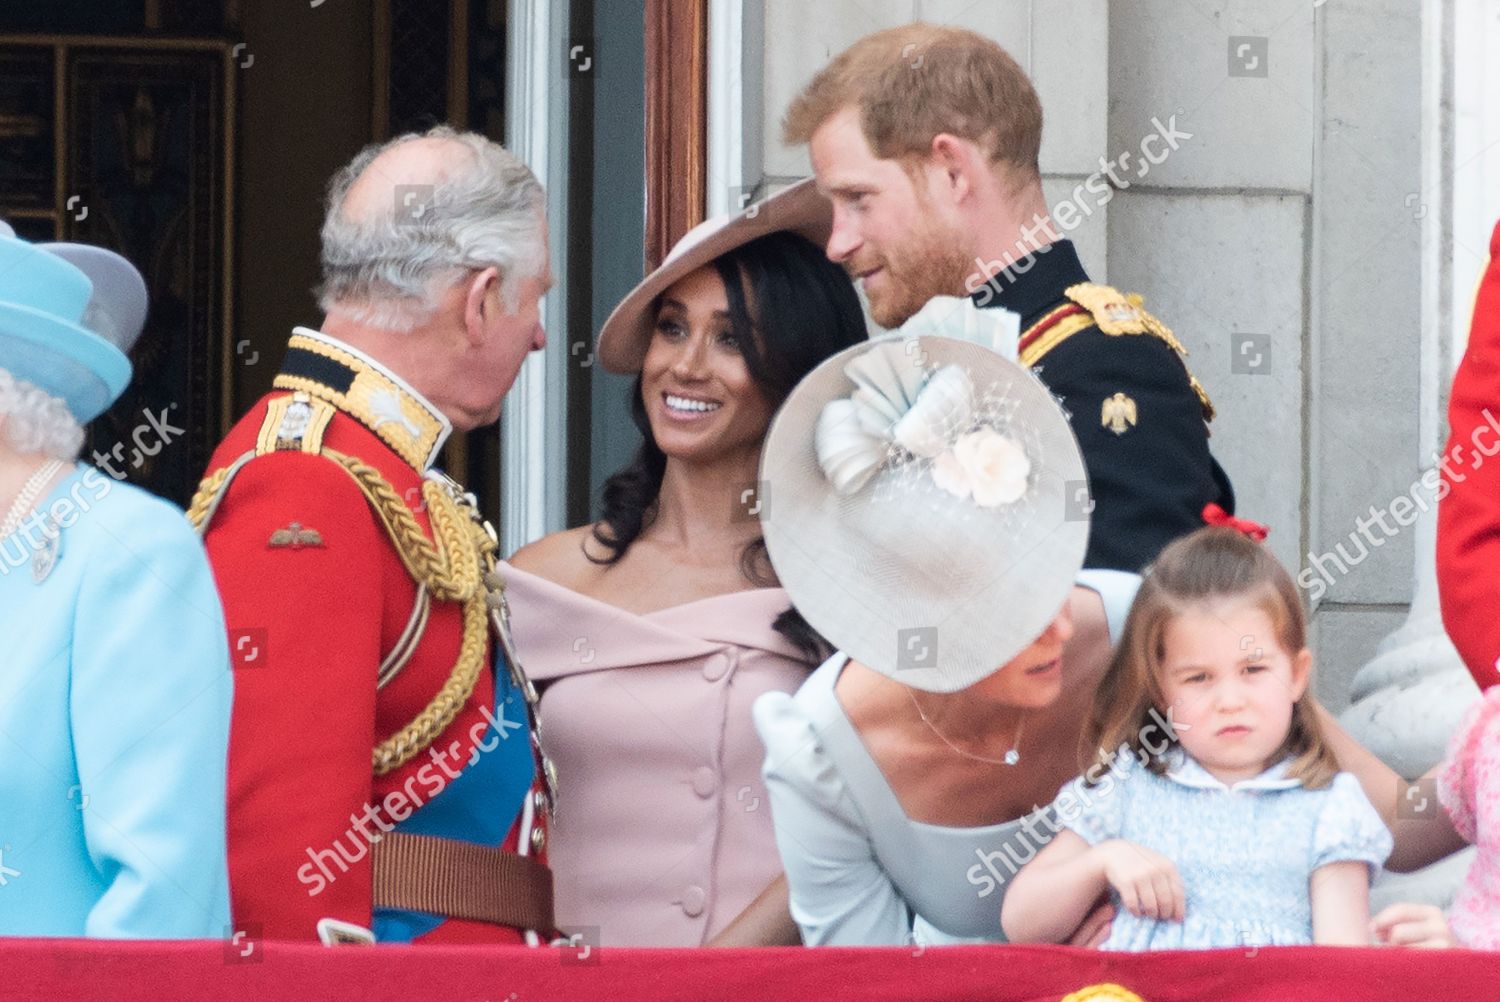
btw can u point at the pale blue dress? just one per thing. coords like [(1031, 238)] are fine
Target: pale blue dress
[(114, 722), (1245, 852), (862, 873)]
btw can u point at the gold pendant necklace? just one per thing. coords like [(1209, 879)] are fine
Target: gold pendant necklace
[(1011, 757)]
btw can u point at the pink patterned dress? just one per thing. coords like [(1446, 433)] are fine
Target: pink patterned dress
[(1469, 788)]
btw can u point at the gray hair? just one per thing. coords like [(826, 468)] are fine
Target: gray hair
[(33, 420), (387, 269)]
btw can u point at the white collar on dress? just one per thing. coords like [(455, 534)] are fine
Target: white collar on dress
[(1183, 769)]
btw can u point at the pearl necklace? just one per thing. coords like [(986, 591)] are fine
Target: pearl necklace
[(1011, 757), (26, 500)]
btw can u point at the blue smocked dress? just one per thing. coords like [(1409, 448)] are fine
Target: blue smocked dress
[(1245, 852)]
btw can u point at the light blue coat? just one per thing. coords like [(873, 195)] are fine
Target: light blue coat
[(114, 722)]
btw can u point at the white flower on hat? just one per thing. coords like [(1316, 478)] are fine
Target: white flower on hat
[(984, 464)]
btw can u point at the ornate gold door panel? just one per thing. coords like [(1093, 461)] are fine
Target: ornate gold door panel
[(129, 144)]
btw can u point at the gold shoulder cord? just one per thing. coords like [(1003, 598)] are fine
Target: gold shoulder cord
[(1160, 330), (209, 489), (452, 570), (448, 569)]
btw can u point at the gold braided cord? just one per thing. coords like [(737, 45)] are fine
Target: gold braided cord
[(1204, 402), (411, 740), (1155, 326), (1092, 297), (1103, 993), (203, 500), (456, 535), (449, 579), (451, 570)]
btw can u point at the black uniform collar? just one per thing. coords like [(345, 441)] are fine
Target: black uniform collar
[(327, 368), (1034, 283)]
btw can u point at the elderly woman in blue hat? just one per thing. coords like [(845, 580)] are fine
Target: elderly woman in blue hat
[(115, 683)]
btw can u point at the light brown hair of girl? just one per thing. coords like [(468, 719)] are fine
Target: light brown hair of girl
[(1207, 566), (917, 81)]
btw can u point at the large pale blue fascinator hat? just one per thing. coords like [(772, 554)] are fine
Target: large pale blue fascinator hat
[(924, 499)]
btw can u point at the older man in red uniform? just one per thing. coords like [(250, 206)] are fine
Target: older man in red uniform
[(384, 778), (1468, 540)]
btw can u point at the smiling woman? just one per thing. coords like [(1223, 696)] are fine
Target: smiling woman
[(653, 630), (700, 394)]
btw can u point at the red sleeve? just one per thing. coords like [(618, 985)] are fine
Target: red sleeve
[(304, 639), (1468, 535)]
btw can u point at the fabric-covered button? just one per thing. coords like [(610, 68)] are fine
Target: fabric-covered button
[(705, 781), (715, 667), (693, 900)]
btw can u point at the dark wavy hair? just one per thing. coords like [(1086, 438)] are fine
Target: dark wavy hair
[(805, 309)]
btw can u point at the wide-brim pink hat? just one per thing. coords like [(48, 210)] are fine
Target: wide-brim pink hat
[(800, 209)]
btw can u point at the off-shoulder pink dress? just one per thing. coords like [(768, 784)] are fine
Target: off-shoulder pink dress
[(663, 827)]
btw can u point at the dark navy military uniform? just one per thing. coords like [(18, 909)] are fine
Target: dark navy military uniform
[(1140, 417)]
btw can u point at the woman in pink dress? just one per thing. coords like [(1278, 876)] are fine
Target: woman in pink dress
[(652, 631)]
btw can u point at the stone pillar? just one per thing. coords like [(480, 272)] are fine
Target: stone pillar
[(1408, 700)]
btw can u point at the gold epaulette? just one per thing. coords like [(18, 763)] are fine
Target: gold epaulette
[(293, 423), (1116, 314)]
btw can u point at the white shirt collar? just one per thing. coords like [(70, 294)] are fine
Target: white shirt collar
[(1182, 769)]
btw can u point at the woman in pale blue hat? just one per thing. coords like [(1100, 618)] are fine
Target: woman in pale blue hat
[(114, 682)]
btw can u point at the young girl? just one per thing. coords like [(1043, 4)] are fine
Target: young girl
[(1222, 820)]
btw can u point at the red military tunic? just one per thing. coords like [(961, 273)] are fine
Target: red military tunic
[(320, 606), (1468, 535)]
